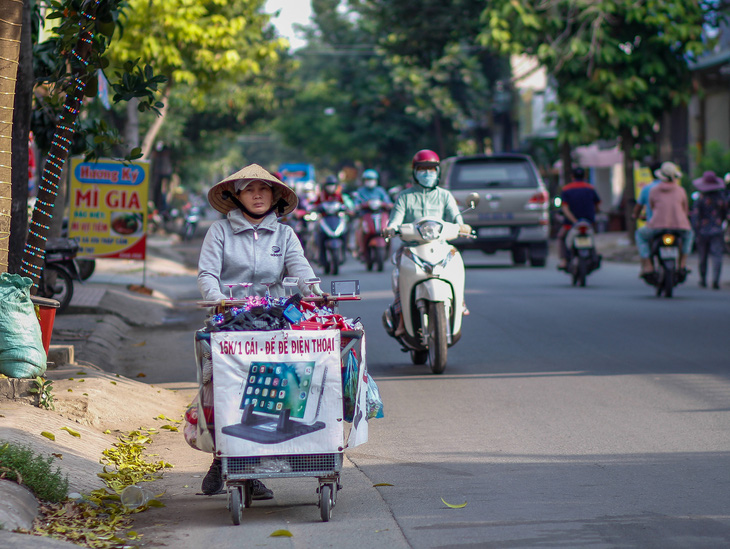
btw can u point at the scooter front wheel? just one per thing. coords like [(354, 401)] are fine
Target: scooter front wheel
[(668, 281), (379, 254), (437, 342), (333, 261), (63, 288)]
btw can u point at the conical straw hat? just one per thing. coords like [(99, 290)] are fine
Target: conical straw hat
[(253, 172)]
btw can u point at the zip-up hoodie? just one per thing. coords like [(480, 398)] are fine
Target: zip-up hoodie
[(417, 202), (236, 251), (669, 207)]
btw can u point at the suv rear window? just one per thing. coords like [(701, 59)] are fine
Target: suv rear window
[(492, 174)]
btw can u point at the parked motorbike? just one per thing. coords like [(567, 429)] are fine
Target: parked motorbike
[(582, 258), (192, 217), (430, 280), (665, 250), (373, 246), (60, 269), (86, 265), (332, 227)]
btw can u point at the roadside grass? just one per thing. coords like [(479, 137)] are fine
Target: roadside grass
[(99, 520), (34, 471)]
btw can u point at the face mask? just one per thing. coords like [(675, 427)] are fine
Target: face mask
[(371, 183), (427, 179)]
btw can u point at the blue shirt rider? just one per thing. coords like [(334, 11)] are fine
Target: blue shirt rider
[(370, 189)]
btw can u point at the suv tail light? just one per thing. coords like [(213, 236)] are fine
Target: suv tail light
[(538, 201)]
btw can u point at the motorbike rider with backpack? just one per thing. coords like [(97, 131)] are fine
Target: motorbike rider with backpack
[(425, 198)]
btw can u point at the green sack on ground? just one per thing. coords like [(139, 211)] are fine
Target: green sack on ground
[(21, 348)]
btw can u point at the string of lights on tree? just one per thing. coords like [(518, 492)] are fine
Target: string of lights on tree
[(34, 252)]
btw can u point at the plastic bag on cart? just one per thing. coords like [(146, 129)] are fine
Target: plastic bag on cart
[(374, 402), (190, 425), (349, 386), (196, 429)]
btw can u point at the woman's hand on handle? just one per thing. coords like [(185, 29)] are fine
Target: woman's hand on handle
[(316, 290)]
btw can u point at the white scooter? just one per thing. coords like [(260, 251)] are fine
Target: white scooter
[(430, 280)]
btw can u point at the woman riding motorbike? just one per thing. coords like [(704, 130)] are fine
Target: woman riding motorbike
[(425, 198)]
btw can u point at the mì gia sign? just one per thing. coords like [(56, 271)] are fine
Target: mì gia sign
[(108, 208)]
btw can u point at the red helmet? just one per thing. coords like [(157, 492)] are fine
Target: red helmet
[(425, 158)]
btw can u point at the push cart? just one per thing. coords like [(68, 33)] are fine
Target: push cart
[(265, 433)]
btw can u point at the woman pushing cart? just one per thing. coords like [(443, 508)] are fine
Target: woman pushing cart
[(277, 392)]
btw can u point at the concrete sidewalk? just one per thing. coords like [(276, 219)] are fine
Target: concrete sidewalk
[(120, 295)]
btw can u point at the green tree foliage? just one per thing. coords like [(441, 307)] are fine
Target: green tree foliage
[(714, 158), (379, 81), (220, 56), (619, 65)]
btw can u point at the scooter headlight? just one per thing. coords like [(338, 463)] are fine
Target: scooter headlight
[(668, 239), (430, 230)]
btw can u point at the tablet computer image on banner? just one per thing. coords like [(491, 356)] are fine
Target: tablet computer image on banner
[(280, 401)]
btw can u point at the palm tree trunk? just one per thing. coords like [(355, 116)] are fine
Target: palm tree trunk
[(11, 17), (53, 168)]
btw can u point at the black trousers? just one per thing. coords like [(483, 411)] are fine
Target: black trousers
[(710, 246)]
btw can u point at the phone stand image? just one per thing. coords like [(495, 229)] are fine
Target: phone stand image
[(261, 429), (280, 401)]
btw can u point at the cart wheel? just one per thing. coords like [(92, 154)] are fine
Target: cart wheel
[(236, 509), (247, 494), (325, 502)]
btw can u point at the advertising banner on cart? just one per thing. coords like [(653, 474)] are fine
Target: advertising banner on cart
[(277, 392), (108, 208)]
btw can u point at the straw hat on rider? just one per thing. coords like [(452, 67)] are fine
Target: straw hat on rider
[(668, 171), (285, 199), (709, 182)]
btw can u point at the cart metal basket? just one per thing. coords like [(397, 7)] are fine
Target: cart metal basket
[(239, 471)]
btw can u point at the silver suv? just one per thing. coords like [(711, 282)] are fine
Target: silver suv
[(513, 211)]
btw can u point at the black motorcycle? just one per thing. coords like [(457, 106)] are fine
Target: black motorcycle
[(665, 249), (60, 269), (582, 258), (192, 217)]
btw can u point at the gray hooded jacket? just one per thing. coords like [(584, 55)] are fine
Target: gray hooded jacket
[(235, 251)]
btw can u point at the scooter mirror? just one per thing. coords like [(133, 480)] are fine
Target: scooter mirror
[(472, 200)]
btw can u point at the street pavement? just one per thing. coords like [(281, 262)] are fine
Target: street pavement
[(120, 296)]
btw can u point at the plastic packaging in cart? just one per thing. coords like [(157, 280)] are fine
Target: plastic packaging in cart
[(272, 465)]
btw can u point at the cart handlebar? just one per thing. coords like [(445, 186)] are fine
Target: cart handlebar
[(311, 299)]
